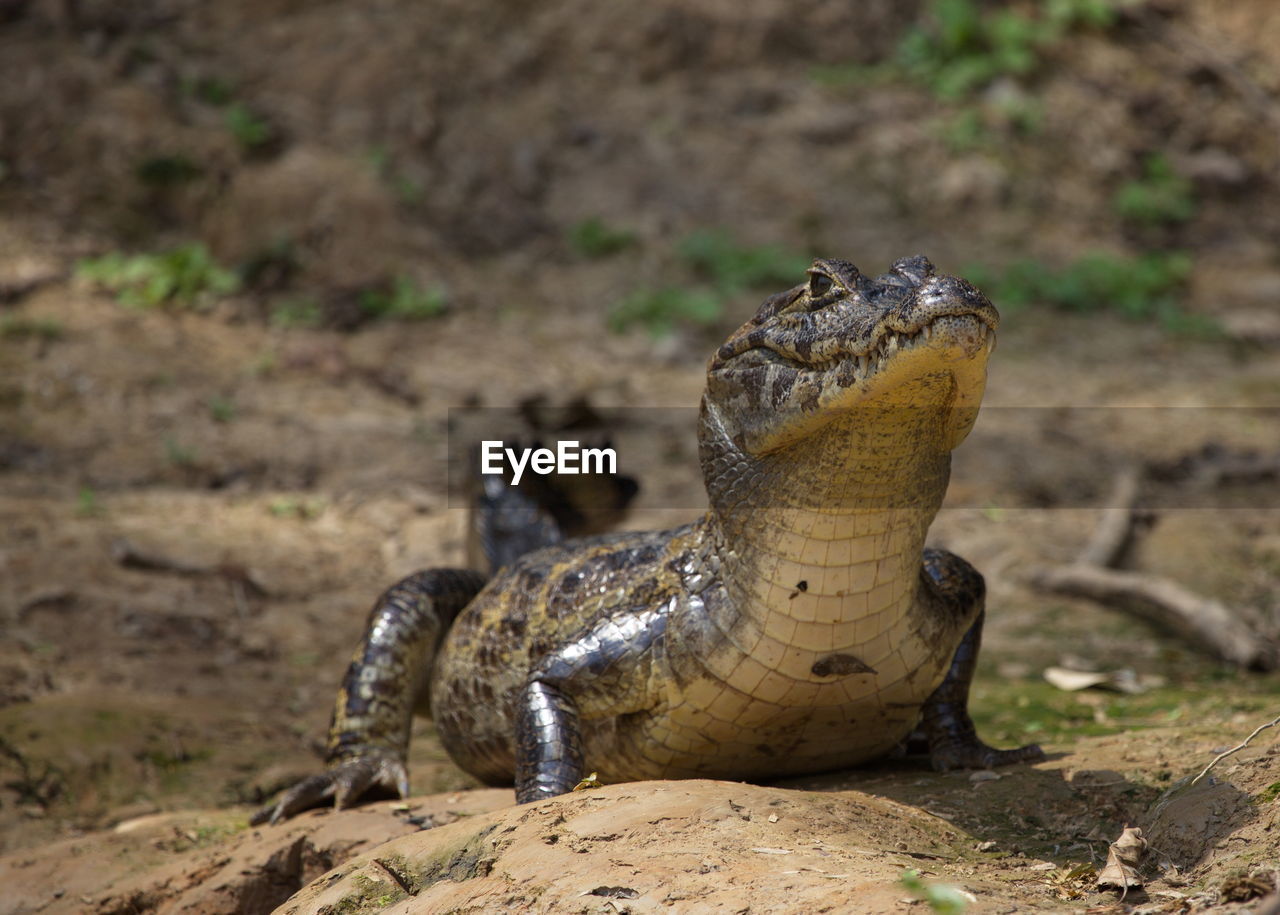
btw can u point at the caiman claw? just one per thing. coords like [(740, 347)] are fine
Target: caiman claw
[(974, 754), (346, 781)]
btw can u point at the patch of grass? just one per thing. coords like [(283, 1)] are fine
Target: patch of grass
[(1033, 710), (87, 503), (289, 507), (965, 130), (661, 311), (297, 312), (251, 130), (370, 896), (1269, 793), (15, 328), (1142, 287), (222, 409), (725, 268), (1160, 197), (734, 267), (178, 454), (594, 238), (210, 90), (410, 191), (964, 46), (939, 897), (183, 277), (272, 266), (405, 300), (167, 170)]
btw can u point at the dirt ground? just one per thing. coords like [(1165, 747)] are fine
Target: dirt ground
[(198, 505)]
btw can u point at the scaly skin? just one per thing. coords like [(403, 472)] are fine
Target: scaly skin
[(799, 626)]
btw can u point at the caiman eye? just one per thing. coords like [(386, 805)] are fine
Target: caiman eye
[(819, 284)]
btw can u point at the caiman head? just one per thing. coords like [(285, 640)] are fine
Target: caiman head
[(905, 352)]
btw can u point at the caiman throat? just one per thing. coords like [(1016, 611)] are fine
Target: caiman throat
[(801, 625)]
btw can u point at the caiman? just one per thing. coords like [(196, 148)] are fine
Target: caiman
[(801, 625)]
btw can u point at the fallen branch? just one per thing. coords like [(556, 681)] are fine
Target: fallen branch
[(1202, 621)]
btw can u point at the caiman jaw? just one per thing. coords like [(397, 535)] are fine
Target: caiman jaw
[(966, 333)]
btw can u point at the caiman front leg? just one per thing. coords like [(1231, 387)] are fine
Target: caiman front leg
[(369, 734), (953, 740), (603, 672)]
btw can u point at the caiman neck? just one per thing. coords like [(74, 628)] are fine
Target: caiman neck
[(831, 527)]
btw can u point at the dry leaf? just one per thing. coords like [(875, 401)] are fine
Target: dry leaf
[(1123, 681), (1123, 857)]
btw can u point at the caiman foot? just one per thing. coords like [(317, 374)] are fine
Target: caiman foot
[(346, 781), (977, 755), (954, 742)]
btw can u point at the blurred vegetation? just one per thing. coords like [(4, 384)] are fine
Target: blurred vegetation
[(167, 170), (1159, 197), (404, 300), (183, 277), (964, 46), (1043, 713), (939, 897), (733, 267), (662, 311), (594, 238), (251, 131), (721, 268), (300, 311), (1142, 287), (14, 327)]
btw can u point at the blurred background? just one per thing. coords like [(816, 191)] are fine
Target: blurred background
[(252, 253)]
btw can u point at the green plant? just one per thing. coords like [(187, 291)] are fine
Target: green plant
[(404, 300), (178, 454), (250, 130), (410, 191), (1136, 287), (1160, 197), (210, 90), (594, 238), (222, 409), (297, 312), (87, 503), (733, 267), (939, 897), (15, 328), (167, 170), (965, 130), (963, 47), (289, 507), (660, 311), (186, 276)]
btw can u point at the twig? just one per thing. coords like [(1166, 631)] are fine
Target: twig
[(1236, 749)]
